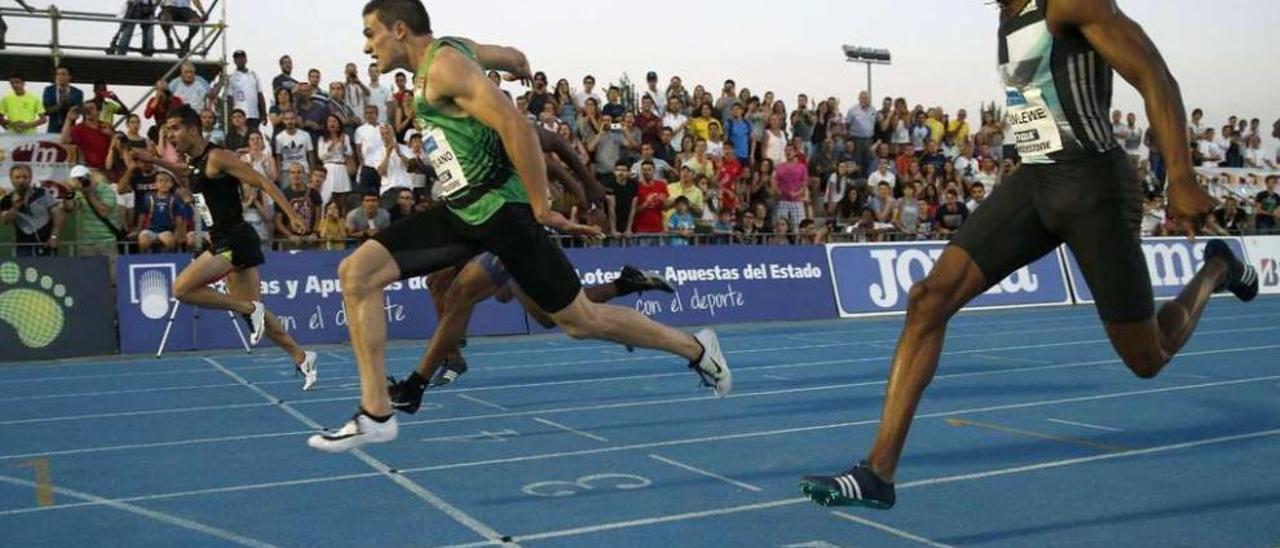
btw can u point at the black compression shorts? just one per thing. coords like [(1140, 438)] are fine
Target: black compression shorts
[(434, 239), (239, 244), (1094, 206)]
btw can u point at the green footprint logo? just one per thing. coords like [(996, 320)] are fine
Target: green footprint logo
[(32, 304)]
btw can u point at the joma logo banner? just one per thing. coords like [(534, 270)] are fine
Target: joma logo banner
[(875, 279), (1171, 263)]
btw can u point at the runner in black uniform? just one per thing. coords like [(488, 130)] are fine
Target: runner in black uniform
[(213, 177), (1075, 187)]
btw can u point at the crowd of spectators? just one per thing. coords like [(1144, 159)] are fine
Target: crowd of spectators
[(681, 165)]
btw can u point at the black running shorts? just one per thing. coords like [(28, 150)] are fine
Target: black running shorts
[(1094, 206), (238, 244), (434, 239)]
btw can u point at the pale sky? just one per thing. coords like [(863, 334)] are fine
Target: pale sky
[(944, 50)]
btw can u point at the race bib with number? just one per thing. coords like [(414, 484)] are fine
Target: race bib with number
[(1035, 130), (450, 178), (202, 207)]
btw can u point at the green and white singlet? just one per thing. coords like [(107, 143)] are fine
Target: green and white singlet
[(1058, 90), (474, 174)]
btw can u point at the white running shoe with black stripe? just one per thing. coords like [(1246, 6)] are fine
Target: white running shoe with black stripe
[(712, 367), (361, 430), (257, 323), (308, 370)]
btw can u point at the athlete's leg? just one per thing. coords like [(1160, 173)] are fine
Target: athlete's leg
[(245, 285), (954, 281), (364, 274), (584, 319), (1147, 346), (470, 287), (192, 285)]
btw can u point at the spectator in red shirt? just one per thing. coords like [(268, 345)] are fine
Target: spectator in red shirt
[(650, 203), (160, 103), (729, 172), (90, 136)]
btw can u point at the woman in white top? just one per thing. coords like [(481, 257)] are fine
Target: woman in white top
[(775, 141), (901, 122), (260, 159), (336, 153)]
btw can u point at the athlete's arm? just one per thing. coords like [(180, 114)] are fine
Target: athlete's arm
[(595, 192), (458, 78), (146, 155), (225, 162), (501, 58), (570, 184), (1124, 45)]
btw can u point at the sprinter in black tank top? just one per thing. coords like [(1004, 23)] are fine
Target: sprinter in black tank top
[(1074, 187), (213, 177)]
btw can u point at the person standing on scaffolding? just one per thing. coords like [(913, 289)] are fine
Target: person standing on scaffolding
[(136, 10), (4, 28), (182, 12)]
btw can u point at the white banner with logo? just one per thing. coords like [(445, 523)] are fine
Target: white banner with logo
[(44, 153), (1264, 254)]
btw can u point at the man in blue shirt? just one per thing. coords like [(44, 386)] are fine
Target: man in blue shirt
[(60, 98), (739, 132), (862, 127)]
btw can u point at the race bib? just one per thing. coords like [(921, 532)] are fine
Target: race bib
[(450, 178), (1035, 130), (202, 207)]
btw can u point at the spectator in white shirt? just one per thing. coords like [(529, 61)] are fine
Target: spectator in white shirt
[(883, 175), (245, 90), (675, 120), (588, 92), (1255, 156), (369, 147), (293, 147), (192, 88), (977, 195), (1209, 148), (379, 95), (393, 165), (357, 92)]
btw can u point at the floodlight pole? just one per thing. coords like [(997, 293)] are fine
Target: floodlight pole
[(860, 55)]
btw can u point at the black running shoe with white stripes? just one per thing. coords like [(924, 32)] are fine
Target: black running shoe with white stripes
[(453, 368), (1242, 278), (859, 486)]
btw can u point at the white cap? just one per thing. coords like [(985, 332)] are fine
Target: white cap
[(79, 172)]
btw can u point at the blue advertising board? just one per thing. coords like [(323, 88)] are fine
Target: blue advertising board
[(1172, 262), (875, 279), (718, 284), (301, 288)]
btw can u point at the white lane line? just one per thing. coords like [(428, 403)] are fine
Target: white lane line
[(776, 377), (153, 445), (891, 530), (952, 336), (1019, 361), (577, 531), (221, 534), (1095, 458), (865, 422), (643, 522), (488, 404), (400, 479), (688, 399), (118, 392), (1086, 425), (707, 473), (653, 445), (572, 430)]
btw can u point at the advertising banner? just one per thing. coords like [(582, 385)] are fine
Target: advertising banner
[(718, 284), (1172, 263), (55, 307), (1264, 254), (875, 279), (301, 288)]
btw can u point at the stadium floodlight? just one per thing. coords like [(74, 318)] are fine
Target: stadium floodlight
[(868, 56)]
